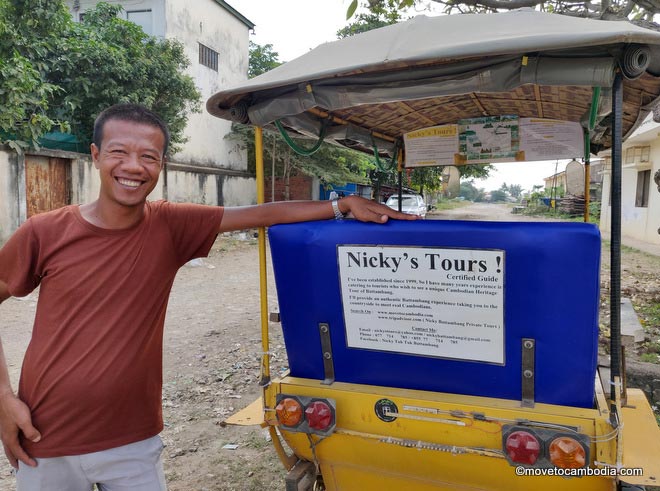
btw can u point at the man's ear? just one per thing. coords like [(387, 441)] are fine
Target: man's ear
[(95, 151)]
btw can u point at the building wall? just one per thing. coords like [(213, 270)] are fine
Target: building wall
[(641, 223), (208, 23), (190, 186)]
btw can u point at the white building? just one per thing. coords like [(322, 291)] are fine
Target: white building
[(640, 199), (210, 168)]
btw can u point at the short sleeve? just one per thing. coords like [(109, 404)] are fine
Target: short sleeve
[(19, 259), (193, 228)]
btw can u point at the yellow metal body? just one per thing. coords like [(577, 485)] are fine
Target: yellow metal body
[(437, 441), (440, 441)]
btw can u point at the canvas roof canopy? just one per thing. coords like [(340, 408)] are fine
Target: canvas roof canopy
[(370, 89)]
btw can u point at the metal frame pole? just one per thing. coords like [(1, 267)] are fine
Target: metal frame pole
[(615, 245)]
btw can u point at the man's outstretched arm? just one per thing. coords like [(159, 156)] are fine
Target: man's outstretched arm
[(14, 413), (244, 217)]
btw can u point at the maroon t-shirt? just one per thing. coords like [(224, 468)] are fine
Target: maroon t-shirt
[(92, 373)]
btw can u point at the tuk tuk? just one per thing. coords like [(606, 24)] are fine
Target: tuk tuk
[(433, 355)]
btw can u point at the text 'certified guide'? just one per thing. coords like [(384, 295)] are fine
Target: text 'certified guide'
[(446, 303)]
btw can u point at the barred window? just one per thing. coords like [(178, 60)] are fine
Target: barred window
[(208, 57)]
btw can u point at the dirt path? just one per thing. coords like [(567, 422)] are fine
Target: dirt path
[(212, 350)]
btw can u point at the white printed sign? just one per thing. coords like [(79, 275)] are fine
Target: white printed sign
[(446, 303), (546, 139), (436, 145)]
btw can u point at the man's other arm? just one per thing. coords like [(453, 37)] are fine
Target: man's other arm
[(244, 217), (14, 413)]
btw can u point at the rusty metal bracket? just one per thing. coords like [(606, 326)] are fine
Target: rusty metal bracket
[(326, 349), (528, 349)]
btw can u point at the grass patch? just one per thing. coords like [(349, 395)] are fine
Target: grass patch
[(650, 358), (450, 204), (651, 313)]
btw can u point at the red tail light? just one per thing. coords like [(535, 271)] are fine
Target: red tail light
[(319, 415), (523, 447)]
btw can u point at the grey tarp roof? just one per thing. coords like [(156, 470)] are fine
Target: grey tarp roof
[(434, 70)]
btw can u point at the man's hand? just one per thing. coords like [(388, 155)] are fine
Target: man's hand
[(369, 211), (14, 418)]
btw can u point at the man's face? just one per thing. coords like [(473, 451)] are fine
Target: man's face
[(129, 161)]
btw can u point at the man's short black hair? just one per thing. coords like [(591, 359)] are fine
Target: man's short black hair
[(129, 112)]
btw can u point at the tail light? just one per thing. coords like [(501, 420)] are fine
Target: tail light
[(306, 414), (289, 411), (567, 453), (544, 448), (319, 415), (523, 447)]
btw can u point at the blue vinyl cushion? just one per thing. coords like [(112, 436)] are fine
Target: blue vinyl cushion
[(551, 294)]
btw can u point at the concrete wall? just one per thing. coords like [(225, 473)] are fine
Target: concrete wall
[(211, 25), (640, 223), (10, 200), (192, 185)]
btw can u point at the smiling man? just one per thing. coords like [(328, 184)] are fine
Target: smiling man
[(88, 409)]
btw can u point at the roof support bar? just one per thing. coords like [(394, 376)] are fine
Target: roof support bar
[(615, 246)]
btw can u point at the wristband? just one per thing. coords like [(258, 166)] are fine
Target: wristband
[(335, 207)]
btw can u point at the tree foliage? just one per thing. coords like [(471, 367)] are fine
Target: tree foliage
[(641, 11), (70, 71), (382, 14), (471, 192), (262, 59), (331, 164)]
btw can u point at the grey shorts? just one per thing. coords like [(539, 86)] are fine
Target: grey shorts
[(136, 467)]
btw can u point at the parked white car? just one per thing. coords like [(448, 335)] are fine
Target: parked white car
[(410, 203)]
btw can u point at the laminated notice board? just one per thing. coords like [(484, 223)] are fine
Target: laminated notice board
[(443, 305)]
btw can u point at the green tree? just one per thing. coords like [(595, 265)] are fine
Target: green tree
[(331, 164), (470, 192), (636, 10), (384, 14), (515, 190), (25, 93), (498, 195), (72, 71), (262, 59)]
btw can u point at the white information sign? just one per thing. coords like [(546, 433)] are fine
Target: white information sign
[(446, 303), (435, 145), (549, 139)]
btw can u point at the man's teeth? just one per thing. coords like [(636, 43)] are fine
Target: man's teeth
[(128, 182)]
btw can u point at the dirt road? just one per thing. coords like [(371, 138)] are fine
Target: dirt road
[(485, 211)]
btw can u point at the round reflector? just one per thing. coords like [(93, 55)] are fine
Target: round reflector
[(289, 411), (522, 447), (567, 453), (319, 415)]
